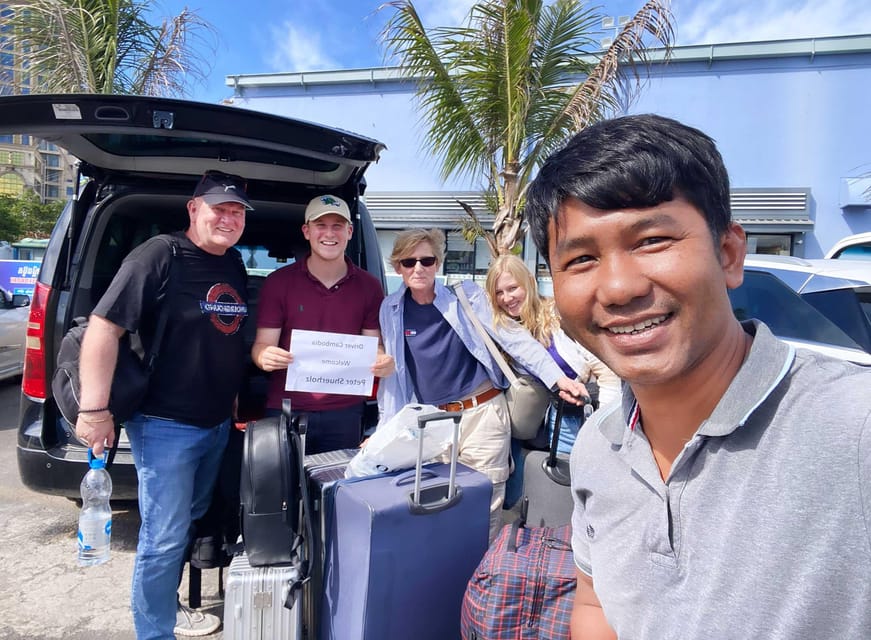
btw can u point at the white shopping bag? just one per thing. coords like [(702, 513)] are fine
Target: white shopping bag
[(395, 443)]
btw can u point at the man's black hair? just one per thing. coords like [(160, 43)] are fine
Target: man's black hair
[(631, 162)]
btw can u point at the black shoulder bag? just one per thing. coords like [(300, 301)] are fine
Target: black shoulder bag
[(132, 371)]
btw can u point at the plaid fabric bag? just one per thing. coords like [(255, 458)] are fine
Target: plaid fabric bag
[(523, 588)]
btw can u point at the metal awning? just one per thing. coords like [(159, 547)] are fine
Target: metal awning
[(780, 210)]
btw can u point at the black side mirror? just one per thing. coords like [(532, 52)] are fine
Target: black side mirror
[(20, 300)]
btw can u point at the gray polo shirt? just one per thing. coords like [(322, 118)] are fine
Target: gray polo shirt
[(761, 529)]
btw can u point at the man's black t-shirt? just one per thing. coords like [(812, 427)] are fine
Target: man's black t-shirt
[(203, 356)]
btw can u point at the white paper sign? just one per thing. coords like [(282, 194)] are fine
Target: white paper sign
[(331, 363)]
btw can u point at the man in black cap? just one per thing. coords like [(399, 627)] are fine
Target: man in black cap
[(179, 435)]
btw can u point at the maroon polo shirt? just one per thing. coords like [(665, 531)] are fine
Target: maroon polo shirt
[(292, 298)]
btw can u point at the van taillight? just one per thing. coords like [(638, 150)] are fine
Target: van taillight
[(33, 382)]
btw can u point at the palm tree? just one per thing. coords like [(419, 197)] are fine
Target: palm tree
[(501, 93), (109, 46)]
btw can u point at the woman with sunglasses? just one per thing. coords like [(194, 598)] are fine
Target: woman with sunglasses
[(514, 298), (441, 359)]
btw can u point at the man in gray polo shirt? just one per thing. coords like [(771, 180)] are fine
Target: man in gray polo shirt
[(729, 495)]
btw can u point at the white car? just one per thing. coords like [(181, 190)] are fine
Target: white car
[(836, 293), (855, 247), (13, 324)]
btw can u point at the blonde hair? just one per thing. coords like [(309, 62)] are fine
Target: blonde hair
[(537, 313), (406, 241)]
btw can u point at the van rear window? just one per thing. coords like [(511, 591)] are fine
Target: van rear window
[(137, 145)]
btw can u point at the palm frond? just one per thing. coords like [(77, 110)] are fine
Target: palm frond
[(615, 79), (451, 129), (108, 46), (629, 48), (498, 94)]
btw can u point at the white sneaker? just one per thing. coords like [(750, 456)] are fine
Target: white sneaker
[(192, 623)]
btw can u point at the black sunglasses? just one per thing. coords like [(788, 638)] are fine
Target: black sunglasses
[(409, 263)]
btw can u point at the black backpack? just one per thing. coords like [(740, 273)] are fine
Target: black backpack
[(275, 513), (129, 383), (272, 490)]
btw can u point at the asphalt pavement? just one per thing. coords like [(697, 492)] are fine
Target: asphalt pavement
[(44, 594)]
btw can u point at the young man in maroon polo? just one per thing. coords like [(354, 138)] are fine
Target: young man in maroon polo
[(326, 292)]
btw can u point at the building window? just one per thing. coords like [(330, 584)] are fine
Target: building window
[(51, 192), (482, 257), (460, 255), (11, 184), (769, 244), (51, 160), (541, 268)]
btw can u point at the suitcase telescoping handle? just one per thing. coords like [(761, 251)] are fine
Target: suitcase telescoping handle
[(557, 469), (434, 499)]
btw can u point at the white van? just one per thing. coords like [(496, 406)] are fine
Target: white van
[(855, 247)]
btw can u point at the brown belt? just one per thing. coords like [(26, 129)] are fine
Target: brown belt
[(469, 403)]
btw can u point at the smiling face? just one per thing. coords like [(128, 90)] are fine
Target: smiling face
[(646, 289), (328, 236), (510, 295), (215, 228)]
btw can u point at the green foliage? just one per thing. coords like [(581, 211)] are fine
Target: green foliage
[(25, 216), (10, 223), (109, 46), (501, 93)]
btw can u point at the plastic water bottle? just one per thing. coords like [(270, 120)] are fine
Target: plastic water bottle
[(95, 519)]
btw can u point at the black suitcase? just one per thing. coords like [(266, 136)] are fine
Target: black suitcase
[(546, 480)]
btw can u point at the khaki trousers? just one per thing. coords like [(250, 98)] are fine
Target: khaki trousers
[(485, 445)]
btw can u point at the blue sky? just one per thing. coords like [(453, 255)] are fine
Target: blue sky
[(268, 36)]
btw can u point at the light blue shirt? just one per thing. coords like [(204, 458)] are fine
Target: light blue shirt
[(397, 390)]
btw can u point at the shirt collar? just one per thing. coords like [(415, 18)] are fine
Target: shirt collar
[(303, 264), (766, 365)]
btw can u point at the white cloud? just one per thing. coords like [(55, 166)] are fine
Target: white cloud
[(298, 49), (750, 20), (443, 13)]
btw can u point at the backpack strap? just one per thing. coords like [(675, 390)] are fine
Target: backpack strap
[(153, 352), (172, 286)]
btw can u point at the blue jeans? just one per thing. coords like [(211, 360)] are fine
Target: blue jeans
[(177, 465), (569, 427)]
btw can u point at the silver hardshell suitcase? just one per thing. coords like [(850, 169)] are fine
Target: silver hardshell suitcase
[(322, 471), (254, 602)]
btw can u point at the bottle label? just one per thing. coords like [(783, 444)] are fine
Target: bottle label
[(94, 534)]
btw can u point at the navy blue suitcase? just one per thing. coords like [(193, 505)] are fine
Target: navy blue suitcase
[(400, 550)]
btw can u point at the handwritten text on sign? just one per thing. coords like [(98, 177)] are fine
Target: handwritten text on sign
[(331, 363)]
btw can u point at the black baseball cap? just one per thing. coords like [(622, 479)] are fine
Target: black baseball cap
[(216, 187)]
